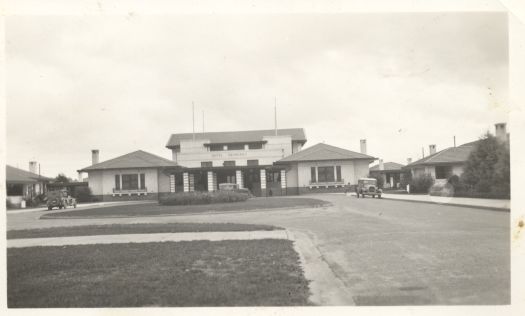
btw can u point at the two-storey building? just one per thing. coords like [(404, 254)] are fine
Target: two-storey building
[(243, 157)]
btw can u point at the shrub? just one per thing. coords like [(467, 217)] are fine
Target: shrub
[(421, 184), (83, 194), (193, 198), (379, 178)]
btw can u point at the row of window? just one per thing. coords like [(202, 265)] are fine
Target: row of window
[(130, 181), (239, 146), (229, 163), (325, 174)]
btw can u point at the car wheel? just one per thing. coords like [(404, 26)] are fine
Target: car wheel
[(379, 196)]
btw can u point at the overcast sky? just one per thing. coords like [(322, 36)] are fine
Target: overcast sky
[(122, 83)]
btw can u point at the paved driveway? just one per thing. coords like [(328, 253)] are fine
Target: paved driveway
[(384, 252)]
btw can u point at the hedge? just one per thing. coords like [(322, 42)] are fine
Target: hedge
[(194, 198)]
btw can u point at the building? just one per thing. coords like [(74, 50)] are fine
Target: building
[(443, 164), (251, 159), (24, 185), (323, 167), (242, 157), (137, 175), (391, 172)]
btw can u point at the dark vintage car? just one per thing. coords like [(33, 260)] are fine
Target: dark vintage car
[(60, 199), (368, 186)]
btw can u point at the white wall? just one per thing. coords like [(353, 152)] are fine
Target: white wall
[(103, 182), (351, 170)]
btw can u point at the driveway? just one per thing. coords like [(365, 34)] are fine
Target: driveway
[(384, 252)]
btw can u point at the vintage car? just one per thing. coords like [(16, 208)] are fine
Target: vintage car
[(60, 199), (367, 186)]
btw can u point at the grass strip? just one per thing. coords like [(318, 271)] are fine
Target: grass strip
[(117, 229), (155, 210), (196, 273)]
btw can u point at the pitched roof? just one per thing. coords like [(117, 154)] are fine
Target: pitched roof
[(323, 151), (388, 166), (449, 155), (238, 136), (15, 175), (136, 159)]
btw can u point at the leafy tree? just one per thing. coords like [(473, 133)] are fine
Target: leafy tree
[(61, 178), (488, 166)]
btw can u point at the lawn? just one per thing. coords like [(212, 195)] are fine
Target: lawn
[(155, 210), (197, 273), (115, 229)]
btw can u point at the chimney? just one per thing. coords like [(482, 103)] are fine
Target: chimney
[(409, 161), (32, 167), (381, 165), (431, 149), (501, 131), (363, 146), (94, 156)]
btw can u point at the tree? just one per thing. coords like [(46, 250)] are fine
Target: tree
[(379, 178), (488, 166), (61, 178)]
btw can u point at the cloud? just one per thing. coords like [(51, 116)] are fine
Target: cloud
[(123, 83)]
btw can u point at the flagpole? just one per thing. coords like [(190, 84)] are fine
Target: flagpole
[(193, 118), (275, 115)]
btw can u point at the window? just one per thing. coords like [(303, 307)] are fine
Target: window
[(15, 189), (130, 181), (229, 163), (255, 146), (254, 162), (313, 176), (325, 174), (206, 164), (338, 172), (142, 181), (236, 147), (117, 181), (216, 147), (273, 176), (443, 172)]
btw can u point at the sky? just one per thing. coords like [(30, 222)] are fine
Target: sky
[(402, 81)]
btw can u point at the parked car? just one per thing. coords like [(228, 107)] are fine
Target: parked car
[(60, 199), (228, 186), (368, 186)]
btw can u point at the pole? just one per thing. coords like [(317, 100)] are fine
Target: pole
[(454, 140), (193, 118), (423, 152), (203, 121), (275, 115)]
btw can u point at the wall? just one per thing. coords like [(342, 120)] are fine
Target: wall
[(102, 182), (296, 146), (351, 170), (193, 153), (95, 182), (164, 182)]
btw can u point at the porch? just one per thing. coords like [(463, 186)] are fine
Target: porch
[(260, 180)]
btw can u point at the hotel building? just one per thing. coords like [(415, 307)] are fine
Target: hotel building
[(267, 162)]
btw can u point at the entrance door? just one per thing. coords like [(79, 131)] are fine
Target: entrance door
[(252, 181)]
